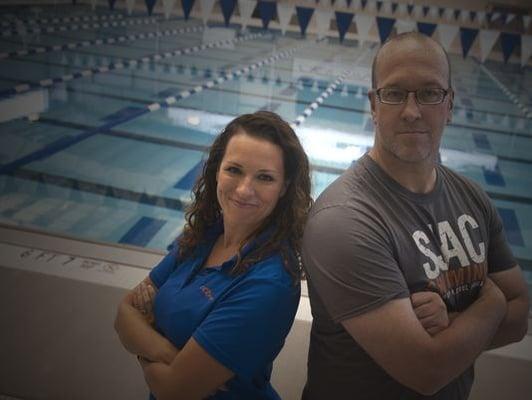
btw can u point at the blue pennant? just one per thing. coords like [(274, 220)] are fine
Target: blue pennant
[(228, 6), (410, 8), (426, 28), (112, 4), (343, 20), (267, 10), (349, 3), (394, 7), (385, 26), (425, 10), (508, 43), (441, 10), (303, 17), (364, 2), (467, 37), (472, 15), (187, 7), (379, 5), (456, 13), (149, 5)]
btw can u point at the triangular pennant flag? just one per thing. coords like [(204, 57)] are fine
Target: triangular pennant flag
[(304, 15), (508, 43), (449, 14), (433, 12), (457, 14), (187, 7), (340, 4), (267, 11), (246, 8), (486, 40), (394, 7), (426, 28), (323, 22), (363, 3), (409, 8), (467, 37), (441, 10), (526, 49), (526, 21), (168, 5), (497, 15), (509, 18), (343, 20), (379, 5), (401, 9), (489, 16), (149, 5), (206, 10), (112, 4), (348, 3), (481, 15), (405, 25), (228, 7), (284, 12), (425, 10), (130, 4), (93, 4), (364, 23), (447, 33), (472, 15), (385, 26)]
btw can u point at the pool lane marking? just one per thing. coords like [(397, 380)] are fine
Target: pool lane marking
[(524, 109), (77, 27), (319, 100), (48, 82), (99, 42), (66, 142), (57, 20)]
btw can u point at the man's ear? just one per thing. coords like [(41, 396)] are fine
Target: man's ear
[(372, 96), (451, 106)]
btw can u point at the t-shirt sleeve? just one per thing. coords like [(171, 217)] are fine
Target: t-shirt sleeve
[(160, 273), (247, 329), (500, 256), (349, 260)]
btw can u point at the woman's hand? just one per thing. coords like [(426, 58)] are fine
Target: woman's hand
[(431, 311), (143, 298)]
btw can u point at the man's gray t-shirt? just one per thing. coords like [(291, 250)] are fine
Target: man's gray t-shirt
[(369, 240)]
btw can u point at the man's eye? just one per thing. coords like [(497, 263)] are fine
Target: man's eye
[(394, 94), (430, 94)]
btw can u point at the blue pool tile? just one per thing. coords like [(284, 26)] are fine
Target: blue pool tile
[(188, 180), (124, 113), (493, 176), (511, 225), (143, 231), (481, 141)]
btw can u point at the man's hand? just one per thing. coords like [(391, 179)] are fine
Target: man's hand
[(431, 311)]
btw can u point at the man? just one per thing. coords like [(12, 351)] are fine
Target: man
[(410, 275)]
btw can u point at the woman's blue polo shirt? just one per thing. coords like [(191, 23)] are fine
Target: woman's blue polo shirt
[(241, 321)]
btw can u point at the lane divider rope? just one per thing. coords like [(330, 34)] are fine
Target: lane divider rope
[(99, 42), (57, 20), (115, 66)]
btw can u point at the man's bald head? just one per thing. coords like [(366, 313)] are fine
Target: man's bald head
[(421, 39)]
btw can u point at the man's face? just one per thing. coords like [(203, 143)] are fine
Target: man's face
[(410, 132)]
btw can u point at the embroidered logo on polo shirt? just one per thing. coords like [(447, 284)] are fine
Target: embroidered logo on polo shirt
[(207, 292)]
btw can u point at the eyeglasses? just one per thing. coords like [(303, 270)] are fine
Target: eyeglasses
[(425, 96)]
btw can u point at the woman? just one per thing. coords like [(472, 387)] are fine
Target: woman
[(226, 295)]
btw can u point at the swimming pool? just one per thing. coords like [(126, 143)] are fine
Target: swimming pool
[(104, 129)]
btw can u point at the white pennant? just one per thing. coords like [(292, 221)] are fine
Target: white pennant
[(338, 4), (509, 18), (323, 21), (433, 13), (325, 3), (246, 8), (526, 21), (481, 15), (401, 9), (526, 49), (284, 12), (449, 14), (386, 8), (405, 25), (495, 15), (417, 12), (130, 4), (486, 39), (465, 16), (168, 5), (355, 4), (447, 33), (364, 23), (371, 7), (206, 10)]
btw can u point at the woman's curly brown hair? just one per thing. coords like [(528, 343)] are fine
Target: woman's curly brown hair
[(288, 218)]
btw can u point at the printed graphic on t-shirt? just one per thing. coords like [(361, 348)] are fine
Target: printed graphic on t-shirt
[(455, 260)]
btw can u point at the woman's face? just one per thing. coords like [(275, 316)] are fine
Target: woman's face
[(250, 180)]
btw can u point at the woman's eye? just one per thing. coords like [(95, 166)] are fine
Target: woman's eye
[(233, 170), (266, 178)]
